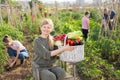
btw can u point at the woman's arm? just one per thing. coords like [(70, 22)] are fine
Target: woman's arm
[(64, 48), (88, 24), (16, 58), (45, 53)]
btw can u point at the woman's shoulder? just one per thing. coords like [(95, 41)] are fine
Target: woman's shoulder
[(37, 39), (16, 41)]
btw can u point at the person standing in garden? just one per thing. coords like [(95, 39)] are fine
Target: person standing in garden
[(16, 51), (109, 18), (85, 25), (45, 54)]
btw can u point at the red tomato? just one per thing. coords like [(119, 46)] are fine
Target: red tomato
[(68, 41), (71, 43), (78, 40)]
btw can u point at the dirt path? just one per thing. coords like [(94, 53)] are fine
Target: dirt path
[(18, 73)]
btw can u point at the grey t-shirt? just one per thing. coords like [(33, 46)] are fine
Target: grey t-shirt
[(42, 53)]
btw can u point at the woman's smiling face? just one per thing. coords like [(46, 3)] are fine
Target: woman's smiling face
[(46, 29)]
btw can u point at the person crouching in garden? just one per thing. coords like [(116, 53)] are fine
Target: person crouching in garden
[(16, 51), (45, 54), (85, 25)]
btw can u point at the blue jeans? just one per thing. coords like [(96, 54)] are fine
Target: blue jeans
[(13, 53)]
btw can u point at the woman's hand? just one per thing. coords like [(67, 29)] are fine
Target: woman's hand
[(11, 65), (69, 48)]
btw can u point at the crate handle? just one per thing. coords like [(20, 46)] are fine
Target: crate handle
[(65, 40)]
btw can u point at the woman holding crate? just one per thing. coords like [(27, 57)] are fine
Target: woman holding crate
[(45, 54)]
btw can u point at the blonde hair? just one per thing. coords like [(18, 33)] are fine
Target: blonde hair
[(48, 22)]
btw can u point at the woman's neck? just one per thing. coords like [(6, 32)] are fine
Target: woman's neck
[(44, 36), (11, 43), (86, 16)]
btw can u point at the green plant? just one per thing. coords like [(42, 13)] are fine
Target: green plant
[(95, 15)]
